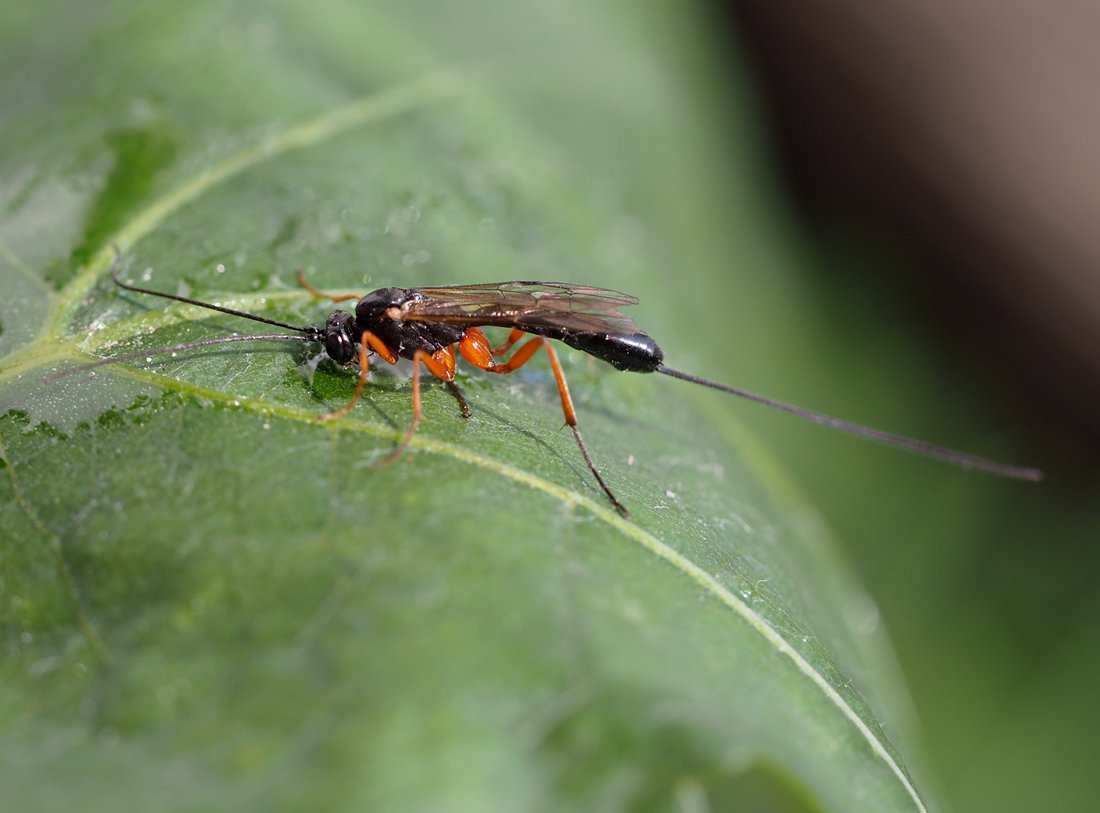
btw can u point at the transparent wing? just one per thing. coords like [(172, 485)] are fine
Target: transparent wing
[(537, 305)]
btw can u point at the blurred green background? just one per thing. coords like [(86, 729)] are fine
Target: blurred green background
[(944, 236), (984, 586)]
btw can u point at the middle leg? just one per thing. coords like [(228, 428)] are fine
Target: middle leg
[(442, 365)]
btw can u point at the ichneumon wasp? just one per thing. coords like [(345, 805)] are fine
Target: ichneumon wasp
[(433, 326)]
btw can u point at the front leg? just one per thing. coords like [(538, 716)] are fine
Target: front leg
[(367, 342)]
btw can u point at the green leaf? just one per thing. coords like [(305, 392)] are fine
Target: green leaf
[(212, 601)]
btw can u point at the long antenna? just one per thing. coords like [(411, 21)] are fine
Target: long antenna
[(175, 348), (921, 447), (314, 333), (309, 332)]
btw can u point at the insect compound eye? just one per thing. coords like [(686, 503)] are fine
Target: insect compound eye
[(340, 337)]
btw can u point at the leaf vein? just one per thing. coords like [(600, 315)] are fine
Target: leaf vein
[(570, 500), (57, 554), (376, 107)]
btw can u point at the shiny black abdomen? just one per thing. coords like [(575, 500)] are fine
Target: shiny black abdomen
[(633, 352)]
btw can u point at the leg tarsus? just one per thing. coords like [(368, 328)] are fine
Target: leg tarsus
[(458, 395), (595, 473)]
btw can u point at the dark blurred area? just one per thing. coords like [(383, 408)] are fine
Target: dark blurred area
[(963, 139), (967, 134)]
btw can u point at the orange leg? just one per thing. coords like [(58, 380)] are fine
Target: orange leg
[(446, 357), (442, 365), (368, 341), (305, 284), (513, 337), (521, 357)]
